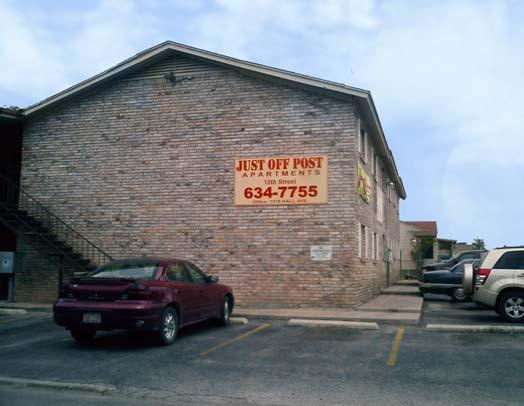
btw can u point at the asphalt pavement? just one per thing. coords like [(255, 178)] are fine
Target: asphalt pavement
[(264, 362)]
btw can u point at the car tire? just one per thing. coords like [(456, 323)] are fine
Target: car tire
[(458, 295), (510, 306), (168, 326), (225, 311), (83, 335)]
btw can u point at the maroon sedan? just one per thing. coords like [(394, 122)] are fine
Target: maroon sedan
[(161, 295)]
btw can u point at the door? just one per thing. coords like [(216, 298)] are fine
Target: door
[(206, 291), (185, 292)]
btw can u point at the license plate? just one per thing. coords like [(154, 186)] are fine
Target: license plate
[(92, 318)]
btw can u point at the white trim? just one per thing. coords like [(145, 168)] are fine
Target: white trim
[(200, 53), (141, 58)]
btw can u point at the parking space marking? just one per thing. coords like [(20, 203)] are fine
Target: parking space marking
[(392, 359), (236, 339)]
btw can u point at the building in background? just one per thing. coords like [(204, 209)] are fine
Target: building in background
[(281, 184), (412, 233), (461, 247)]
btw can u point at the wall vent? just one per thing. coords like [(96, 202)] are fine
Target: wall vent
[(178, 63)]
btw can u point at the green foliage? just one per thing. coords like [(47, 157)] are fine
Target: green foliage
[(421, 246), (478, 244)]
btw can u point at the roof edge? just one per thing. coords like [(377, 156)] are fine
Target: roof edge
[(309, 81)]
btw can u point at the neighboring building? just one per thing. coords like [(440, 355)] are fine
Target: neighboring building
[(410, 233), (162, 155), (462, 246)]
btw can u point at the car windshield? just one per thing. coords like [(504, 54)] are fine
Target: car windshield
[(133, 270)]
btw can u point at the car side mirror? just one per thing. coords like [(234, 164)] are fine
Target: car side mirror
[(212, 279)]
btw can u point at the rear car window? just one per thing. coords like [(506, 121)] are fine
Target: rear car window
[(511, 260), (132, 270)]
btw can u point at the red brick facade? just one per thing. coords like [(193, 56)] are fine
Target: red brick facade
[(145, 167)]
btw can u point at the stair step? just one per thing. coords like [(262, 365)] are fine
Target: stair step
[(401, 290), (407, 282)]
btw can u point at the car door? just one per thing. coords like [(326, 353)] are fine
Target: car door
[(185, 292), (207, 291)]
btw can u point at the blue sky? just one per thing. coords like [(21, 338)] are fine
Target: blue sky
[(447, 78)]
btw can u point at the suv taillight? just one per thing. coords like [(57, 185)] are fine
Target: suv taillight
[(481, 277), (137, 292)]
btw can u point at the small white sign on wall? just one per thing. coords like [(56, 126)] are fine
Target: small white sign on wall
[(321, 252)]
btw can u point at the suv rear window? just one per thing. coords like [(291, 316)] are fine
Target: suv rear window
[(511, 260)]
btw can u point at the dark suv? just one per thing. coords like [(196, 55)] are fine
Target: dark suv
[(472, 254)]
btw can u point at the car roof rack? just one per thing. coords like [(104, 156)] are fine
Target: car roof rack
[(509, 246)]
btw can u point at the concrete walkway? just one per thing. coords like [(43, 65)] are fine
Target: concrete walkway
[(393, 303)]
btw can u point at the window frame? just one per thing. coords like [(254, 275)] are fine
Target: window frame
[(520, 266), (190, 266)]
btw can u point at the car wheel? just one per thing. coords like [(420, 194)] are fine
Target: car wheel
[(225, 313), (83, 335), (168, 326), (459, 295), (511, 307)]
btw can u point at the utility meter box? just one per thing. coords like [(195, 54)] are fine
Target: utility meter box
[(10, 262)]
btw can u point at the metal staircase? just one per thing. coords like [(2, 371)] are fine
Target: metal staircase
[(32, 221)]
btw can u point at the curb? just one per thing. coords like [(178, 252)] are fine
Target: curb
[(472, 328), (12, 311), (98, 388), (413, 319), (390, 310), (362, 325), (239, 320), (43, 309)]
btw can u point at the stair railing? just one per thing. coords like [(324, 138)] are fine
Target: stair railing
[(13, 198)]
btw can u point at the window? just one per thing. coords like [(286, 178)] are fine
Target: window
[(511, 260), (459, 268), (177, 272), (139, 269), (362, 145), (196, 274), (374, 247), (362, 241), (428, 254), (373, 162)]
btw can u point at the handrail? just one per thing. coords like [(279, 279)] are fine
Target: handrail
[(16, 197)]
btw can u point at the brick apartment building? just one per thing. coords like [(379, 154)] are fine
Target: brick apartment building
[(181, 152)]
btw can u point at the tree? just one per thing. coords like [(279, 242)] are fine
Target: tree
[(478, 244), (422, 245)]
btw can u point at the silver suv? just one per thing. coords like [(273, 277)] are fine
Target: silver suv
[(498, 282)]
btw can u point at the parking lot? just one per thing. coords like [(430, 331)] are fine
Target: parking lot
[(268, 362)]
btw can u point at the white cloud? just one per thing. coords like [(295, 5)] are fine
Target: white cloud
[(40, 59), (29, 63), (455, 66), (451, 71)]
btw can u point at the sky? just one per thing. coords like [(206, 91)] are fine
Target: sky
[(447, 78)]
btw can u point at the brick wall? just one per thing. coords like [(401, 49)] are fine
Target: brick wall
[(145, 167)]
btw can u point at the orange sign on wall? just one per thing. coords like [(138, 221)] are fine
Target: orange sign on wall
[(281, 180)]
